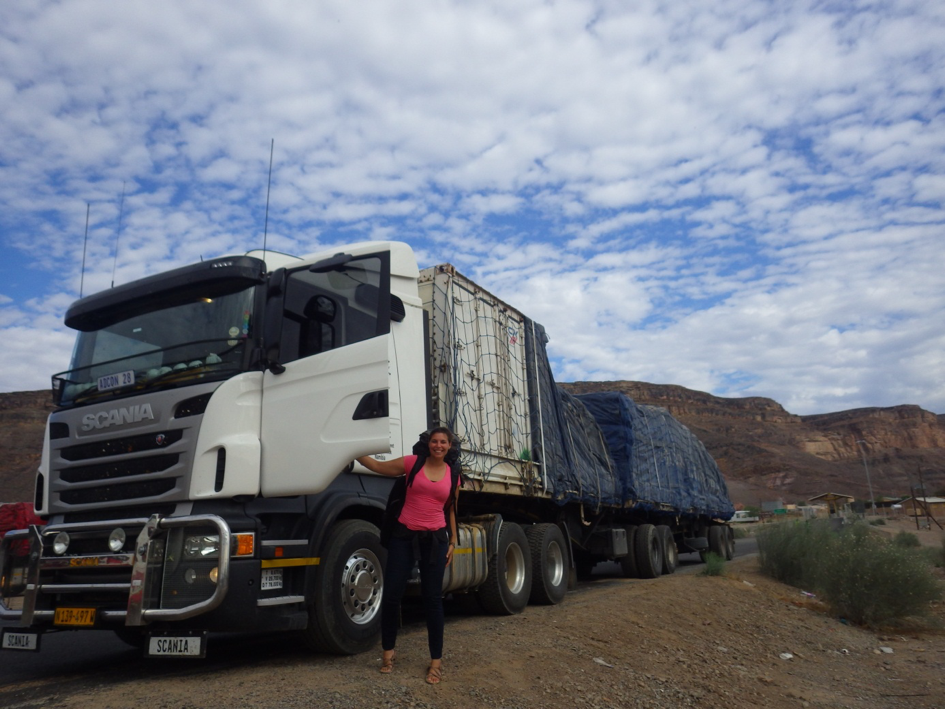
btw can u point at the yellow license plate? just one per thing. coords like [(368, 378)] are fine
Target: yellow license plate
[(75, 616)]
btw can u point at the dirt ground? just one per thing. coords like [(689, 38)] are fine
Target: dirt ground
[(740, 640)]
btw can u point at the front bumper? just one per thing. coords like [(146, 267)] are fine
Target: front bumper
[(152, 582)]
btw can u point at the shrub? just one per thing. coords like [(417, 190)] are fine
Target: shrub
[(714, 565), (789, 552), (859, 573), (906, 539), (878, 522), (870, 581), (740, 532)]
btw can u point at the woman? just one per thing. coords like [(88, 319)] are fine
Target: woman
[(428, 519)]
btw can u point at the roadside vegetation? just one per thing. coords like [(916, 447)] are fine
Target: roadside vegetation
[(861, 575), (714, 565)]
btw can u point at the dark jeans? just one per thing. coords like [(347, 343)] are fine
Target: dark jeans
[(400, 560)]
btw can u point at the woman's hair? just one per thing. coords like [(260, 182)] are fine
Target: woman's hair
[(444, 430)]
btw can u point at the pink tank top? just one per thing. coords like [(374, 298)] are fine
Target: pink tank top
[(423, 508)]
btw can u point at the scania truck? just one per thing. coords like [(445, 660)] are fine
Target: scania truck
[(197, 474)]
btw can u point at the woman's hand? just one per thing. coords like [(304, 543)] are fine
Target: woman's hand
[(390, 468), (449, 553)]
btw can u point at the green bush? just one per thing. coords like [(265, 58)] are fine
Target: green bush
[(878, 522), (859, 573), (906, 539), (872, 582), (714, 565), (790, 551), (740, 532)]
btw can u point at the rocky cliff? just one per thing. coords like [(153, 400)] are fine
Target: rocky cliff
[(765, 452)]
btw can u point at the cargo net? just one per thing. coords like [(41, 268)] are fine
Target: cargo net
[(479, 379)]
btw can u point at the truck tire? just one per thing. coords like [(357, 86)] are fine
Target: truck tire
[(549, 564), (509, 583), (729, 543), (668, 545), (648, 552), (628, 563), (344, 617), (717, 541)]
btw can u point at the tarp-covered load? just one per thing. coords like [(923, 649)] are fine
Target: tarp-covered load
[(658, 458), (604, 449)]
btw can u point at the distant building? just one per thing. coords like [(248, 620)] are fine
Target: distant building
[(932, 506), (835, 501)]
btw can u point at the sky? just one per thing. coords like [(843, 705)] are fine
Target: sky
[(738, 197)]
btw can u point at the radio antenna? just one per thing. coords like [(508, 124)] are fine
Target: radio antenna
[(88, 208), (272, 145), (121, 209)]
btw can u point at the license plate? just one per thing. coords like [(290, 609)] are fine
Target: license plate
[(114, 381), (75, 616), (177, 645), (271, 579), (20, 640)]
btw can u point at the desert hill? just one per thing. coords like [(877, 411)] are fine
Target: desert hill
[(765, 452)]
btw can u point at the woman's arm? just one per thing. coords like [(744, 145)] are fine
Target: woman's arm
[(390, 468)]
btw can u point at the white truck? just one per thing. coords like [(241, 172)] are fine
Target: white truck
[(197, 474)]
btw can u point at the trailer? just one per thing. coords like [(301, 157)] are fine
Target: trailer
[(197, 473)]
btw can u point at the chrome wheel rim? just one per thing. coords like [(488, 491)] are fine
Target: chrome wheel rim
[(362, 585)]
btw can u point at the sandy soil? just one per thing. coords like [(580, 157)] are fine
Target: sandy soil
[(740, 640)]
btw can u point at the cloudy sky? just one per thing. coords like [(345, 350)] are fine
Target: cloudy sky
[(740, 197)]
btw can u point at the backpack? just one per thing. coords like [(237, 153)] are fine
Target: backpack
[(398, 493)]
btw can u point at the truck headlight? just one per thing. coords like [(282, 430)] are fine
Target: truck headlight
[(202, 546), (116, 540), (61, 543)]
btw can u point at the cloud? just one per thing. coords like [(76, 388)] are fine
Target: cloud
[(743, 198)]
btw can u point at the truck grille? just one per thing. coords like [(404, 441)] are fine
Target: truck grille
[(120, 469), (122, 446), (113, 493)]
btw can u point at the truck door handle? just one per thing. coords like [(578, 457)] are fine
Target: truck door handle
[(373, 405)]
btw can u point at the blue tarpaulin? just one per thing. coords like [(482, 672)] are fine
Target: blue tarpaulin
[(658, 458), (603, 449)]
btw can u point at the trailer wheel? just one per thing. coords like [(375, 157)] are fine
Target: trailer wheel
[(648, 552), (549, 564), (729, 543), (628, 563), (509, 582), (344, 617), (718, 544), (670, 552)]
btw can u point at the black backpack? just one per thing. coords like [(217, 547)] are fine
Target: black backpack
[(398, 493)]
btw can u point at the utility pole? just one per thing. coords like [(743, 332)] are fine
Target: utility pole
[(867, 468)]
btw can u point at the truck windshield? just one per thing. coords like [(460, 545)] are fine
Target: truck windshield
[(201, 339)]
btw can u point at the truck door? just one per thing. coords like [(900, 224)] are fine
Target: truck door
[(324, 398)]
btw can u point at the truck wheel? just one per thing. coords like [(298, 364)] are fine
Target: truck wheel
[(549, 564), (344, 617), (648, 552), (717, 542), (628, 563), (729, 543), (509, 582), (668, 545)]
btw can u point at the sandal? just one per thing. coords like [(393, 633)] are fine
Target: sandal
[(433, 675), (387, 664)]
